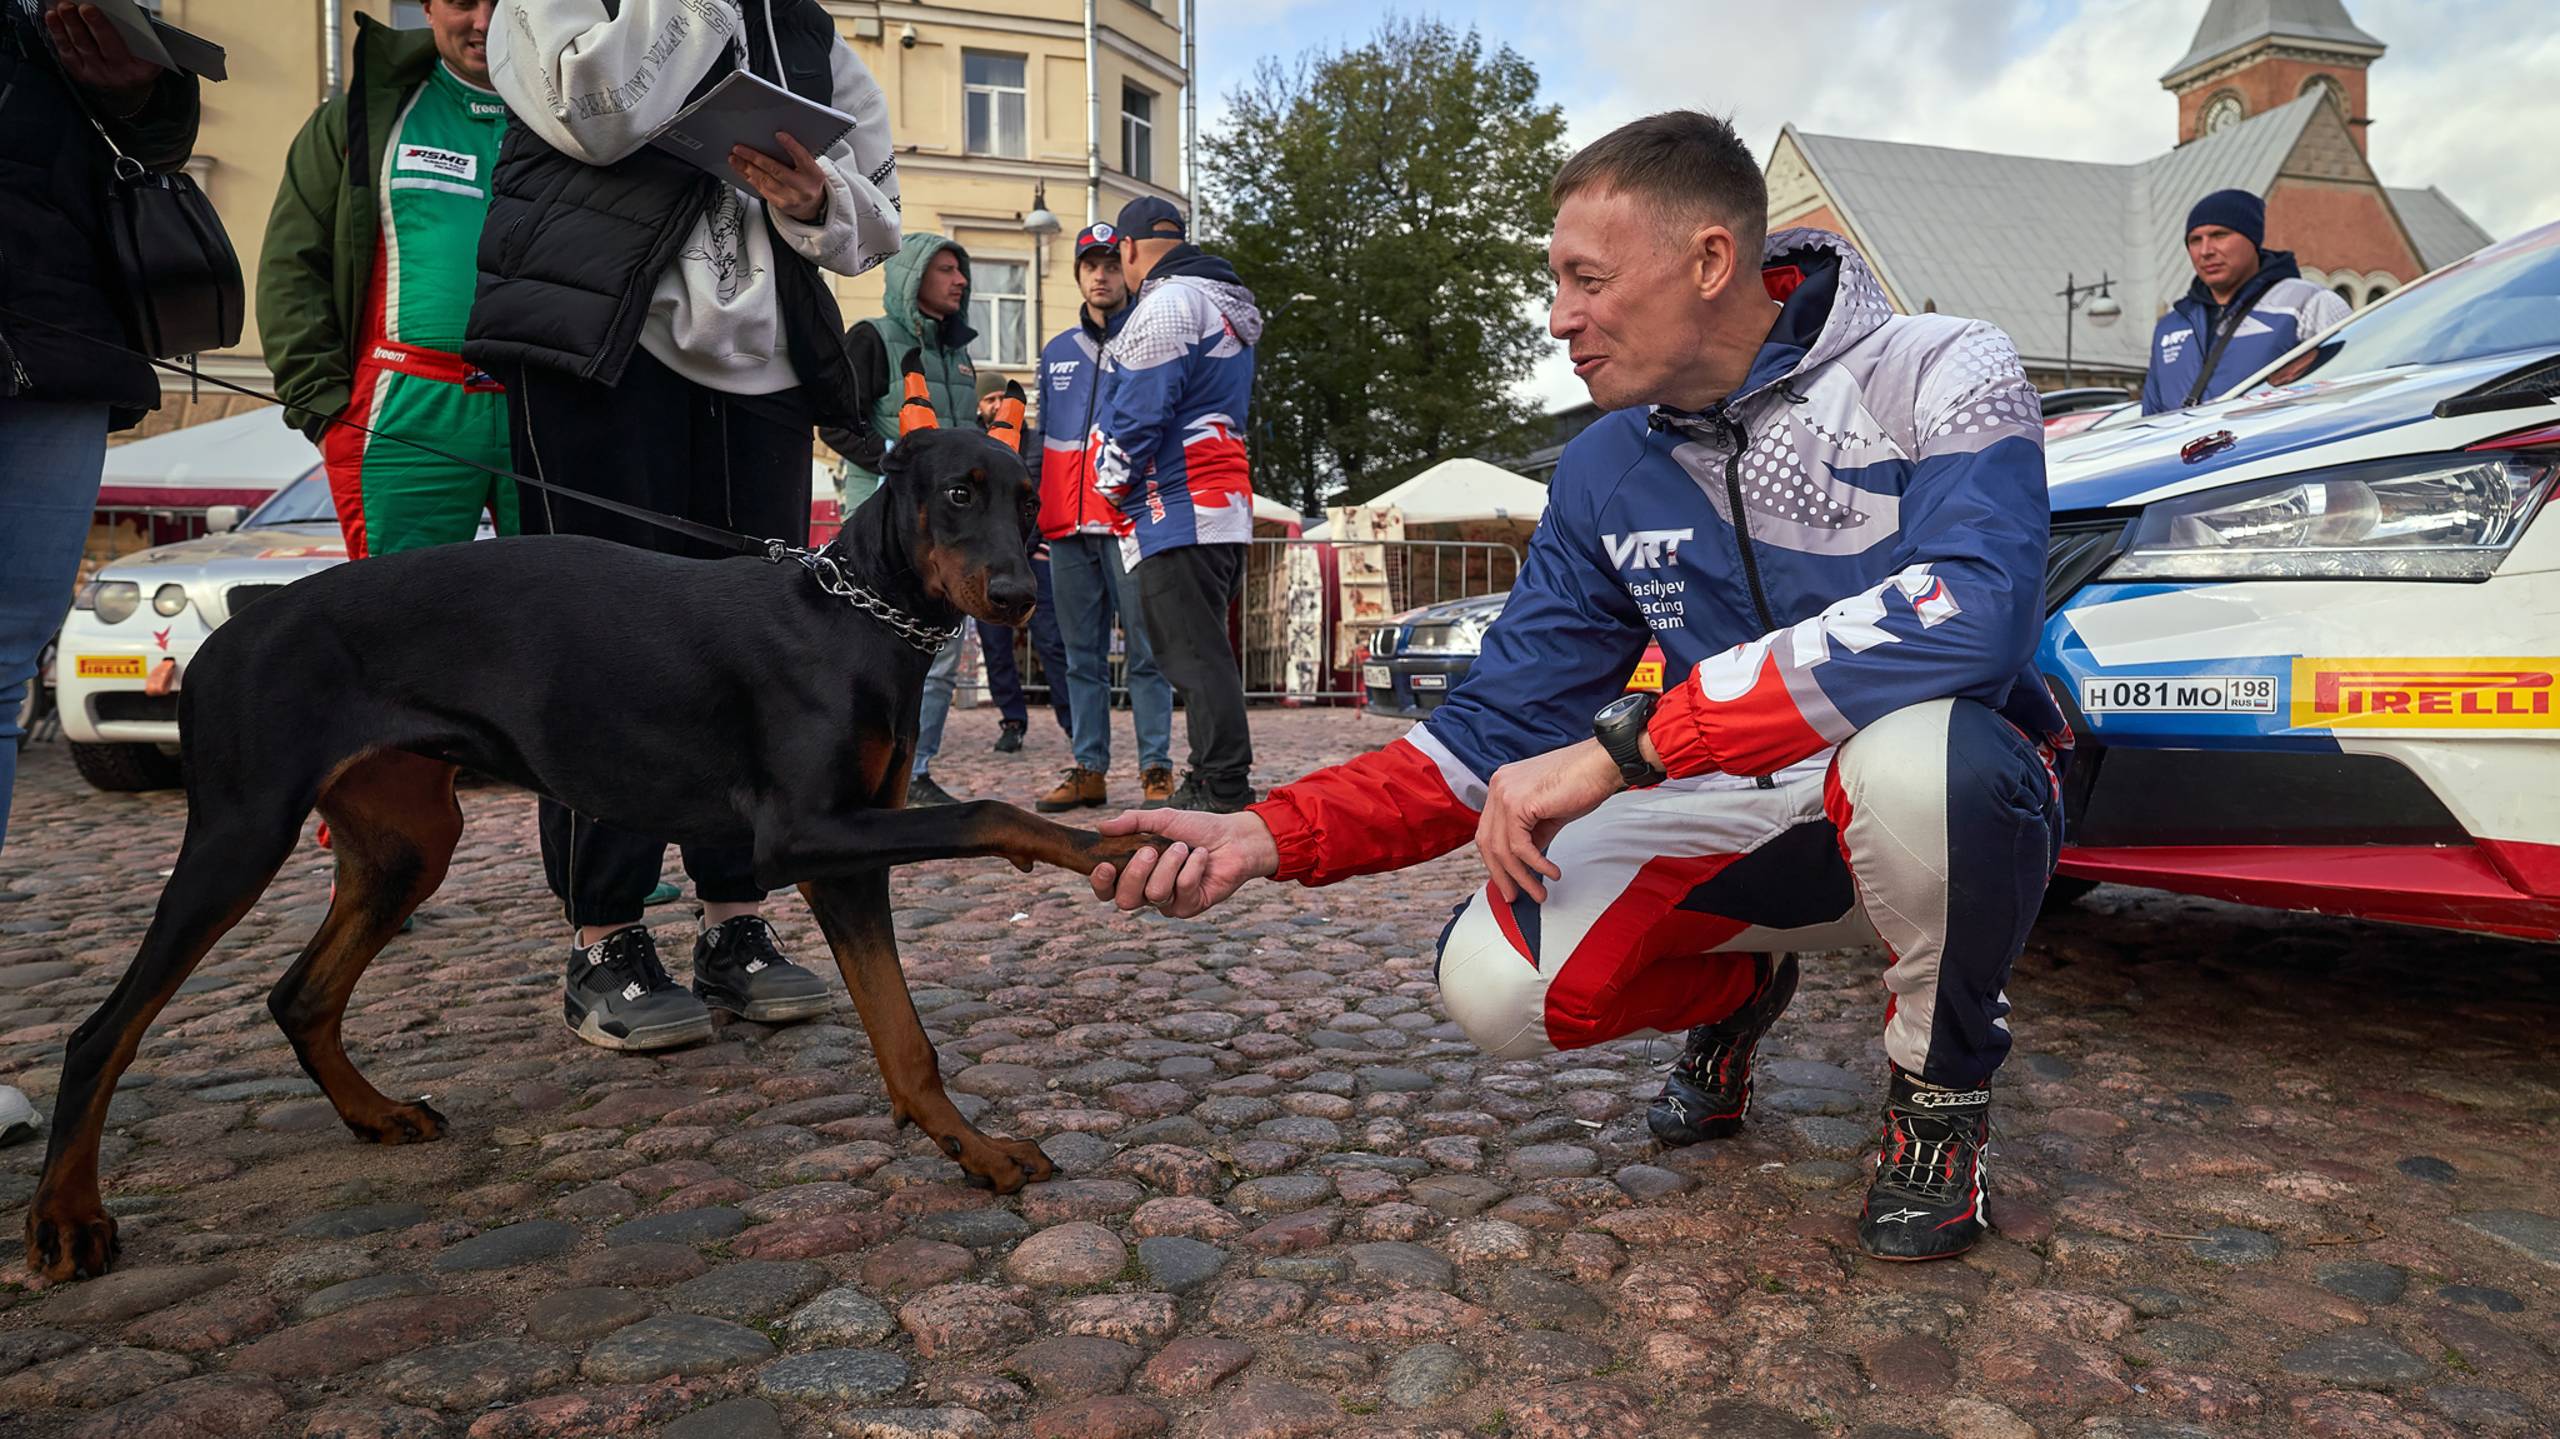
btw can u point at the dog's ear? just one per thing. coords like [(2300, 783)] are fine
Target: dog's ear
[(1008, 422), (915, 412)]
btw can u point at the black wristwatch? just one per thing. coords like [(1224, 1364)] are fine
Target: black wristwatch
[(1620, 729)]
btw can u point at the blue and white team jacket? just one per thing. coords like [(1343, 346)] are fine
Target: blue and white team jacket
[(2280, 310), (1887, 476), (1177, 382)]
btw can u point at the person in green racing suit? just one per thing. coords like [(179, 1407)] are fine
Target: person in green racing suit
[(365, 285)]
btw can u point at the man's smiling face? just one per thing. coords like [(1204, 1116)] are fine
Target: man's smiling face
[(1626, 305)]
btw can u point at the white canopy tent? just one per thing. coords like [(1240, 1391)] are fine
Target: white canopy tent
[(240, 460), (1458, 491)]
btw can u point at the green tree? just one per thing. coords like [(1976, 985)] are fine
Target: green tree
[(1401, 187)]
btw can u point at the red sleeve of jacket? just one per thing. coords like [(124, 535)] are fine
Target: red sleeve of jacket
[(1382, 811)]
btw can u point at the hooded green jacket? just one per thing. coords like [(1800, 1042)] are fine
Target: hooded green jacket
[(326, 227), (879, 347)]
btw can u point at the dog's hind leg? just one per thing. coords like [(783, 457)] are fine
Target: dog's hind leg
[(394, 824), (854, 914), (231, 852)]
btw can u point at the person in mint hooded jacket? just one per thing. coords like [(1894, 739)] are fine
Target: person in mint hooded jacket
[(924, 303)]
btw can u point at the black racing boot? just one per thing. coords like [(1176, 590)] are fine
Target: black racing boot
[(738, 966), (619, 996), (1710, 1083), (1928, 1195), (1009, 737)]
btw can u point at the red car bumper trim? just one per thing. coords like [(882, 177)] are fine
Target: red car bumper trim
[(2506, 887)]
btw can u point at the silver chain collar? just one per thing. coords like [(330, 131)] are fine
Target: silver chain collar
[(832, 578)]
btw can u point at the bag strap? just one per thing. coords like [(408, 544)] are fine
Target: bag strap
[(2233, 314)]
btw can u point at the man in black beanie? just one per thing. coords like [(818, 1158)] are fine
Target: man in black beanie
[(2248, 305)]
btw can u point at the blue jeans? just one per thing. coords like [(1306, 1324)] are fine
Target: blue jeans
[(939, 681), (1091, 586), (50, 459)]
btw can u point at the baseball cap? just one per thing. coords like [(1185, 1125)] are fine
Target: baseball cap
[(1139, 218), (1097, 236)]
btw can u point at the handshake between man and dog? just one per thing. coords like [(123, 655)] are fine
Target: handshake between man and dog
[(361, 692)]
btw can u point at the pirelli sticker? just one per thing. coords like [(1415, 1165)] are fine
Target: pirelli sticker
[(108, 667), (2426, 694)]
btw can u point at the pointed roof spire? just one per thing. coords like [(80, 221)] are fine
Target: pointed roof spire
[(2233, 25)]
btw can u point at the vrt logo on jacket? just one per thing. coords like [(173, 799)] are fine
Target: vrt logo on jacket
[(1646, 549)]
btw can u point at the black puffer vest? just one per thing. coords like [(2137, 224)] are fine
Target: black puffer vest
[(571, 252)]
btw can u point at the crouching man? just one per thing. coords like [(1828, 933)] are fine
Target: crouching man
[(1833, 518)]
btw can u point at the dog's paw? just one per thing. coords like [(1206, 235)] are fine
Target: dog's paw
[(66, 1242), (1004, 1165), (398, 1124), (1115, 850)]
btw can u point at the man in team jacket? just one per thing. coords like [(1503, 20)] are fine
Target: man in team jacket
[(1832, 518)]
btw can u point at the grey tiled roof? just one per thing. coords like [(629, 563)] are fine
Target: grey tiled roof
[(2230, 24), (2444, 234), (1995, 236)]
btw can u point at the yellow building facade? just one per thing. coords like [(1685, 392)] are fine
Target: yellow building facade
[(988, 103)]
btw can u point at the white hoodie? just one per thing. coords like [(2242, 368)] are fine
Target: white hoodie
[(595, 85)]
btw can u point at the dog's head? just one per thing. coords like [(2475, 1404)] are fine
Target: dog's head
[(970, 508)]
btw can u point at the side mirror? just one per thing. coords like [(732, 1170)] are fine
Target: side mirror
[(222, 519)]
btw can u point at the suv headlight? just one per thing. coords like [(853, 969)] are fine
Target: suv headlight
[(114, 600), (2431, 517)]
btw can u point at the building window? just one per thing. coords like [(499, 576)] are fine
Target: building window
[(1000, 311), (2380, 289), (1137, 133), (994, 103), (2346, 293), (2327, 85), (2222, 112)]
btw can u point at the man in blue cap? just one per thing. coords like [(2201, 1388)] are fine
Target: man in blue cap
[(1168, 449), (2248, 305)]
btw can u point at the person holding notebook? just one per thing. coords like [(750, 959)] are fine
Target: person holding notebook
[(666, 339)]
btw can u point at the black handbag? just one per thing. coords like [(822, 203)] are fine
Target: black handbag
[(176, 279)]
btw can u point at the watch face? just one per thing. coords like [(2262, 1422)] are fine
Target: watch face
[(1622, 707)]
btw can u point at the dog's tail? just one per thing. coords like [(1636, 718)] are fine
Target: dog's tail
[(1007, 425), (915, 412)]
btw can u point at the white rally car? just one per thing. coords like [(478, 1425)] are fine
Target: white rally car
[(136, 625), (2309, 637)]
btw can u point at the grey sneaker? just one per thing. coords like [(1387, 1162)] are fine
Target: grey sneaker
[(738, 966), (619, 996), (18, 1119)]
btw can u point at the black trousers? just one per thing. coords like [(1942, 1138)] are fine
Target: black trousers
[(1187, 594), (662, 442)]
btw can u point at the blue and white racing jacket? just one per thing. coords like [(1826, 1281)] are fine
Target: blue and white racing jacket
[(1177, 384), (2278, 309), (1859, 528)]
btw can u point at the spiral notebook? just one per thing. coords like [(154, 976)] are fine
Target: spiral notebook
[(747, 110)]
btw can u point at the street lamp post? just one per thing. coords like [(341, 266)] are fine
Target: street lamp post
[(1040, 224), (2103, 311)]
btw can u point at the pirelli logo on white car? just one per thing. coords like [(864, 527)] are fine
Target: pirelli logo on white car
[(2181, 694), (2501, 693)]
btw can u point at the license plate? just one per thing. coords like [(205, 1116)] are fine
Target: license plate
[(2181, 694), (110, 667), (1377, 677), (1648, 676), (1431, 682)]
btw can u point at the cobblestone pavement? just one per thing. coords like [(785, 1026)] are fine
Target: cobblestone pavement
[(2257, 1175)]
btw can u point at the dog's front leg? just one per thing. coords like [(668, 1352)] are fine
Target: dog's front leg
[(854, 915), (794, 848)]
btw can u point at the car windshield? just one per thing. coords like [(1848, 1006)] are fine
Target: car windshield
[(305, 501), (2501, 301)]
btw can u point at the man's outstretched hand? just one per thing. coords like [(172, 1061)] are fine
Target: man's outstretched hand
[(1207, 858), (1528, 801)]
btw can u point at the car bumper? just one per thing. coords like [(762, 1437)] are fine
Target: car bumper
[(2368, 749), (102, 678), (1416, 685)]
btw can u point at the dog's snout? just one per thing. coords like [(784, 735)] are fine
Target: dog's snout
[(1007, 592)]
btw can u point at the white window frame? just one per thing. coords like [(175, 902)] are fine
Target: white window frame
[(990, 97), (989, 305), (1137, 134)]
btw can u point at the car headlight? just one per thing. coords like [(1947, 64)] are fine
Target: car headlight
[(2432, 517), (114, 600), (1463, 636), (168, 600)]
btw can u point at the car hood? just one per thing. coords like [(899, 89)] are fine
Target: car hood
[(1477, 607), (296, 549), (2279, 430)]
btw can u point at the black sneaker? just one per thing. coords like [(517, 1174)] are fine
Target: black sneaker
[(1927, 1198), (738, 965), (1009, 737), (1710, 1083), (619, 996), (922, 791), (1200, 792)]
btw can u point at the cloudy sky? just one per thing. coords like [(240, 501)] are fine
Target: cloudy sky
[(2465, 100)]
